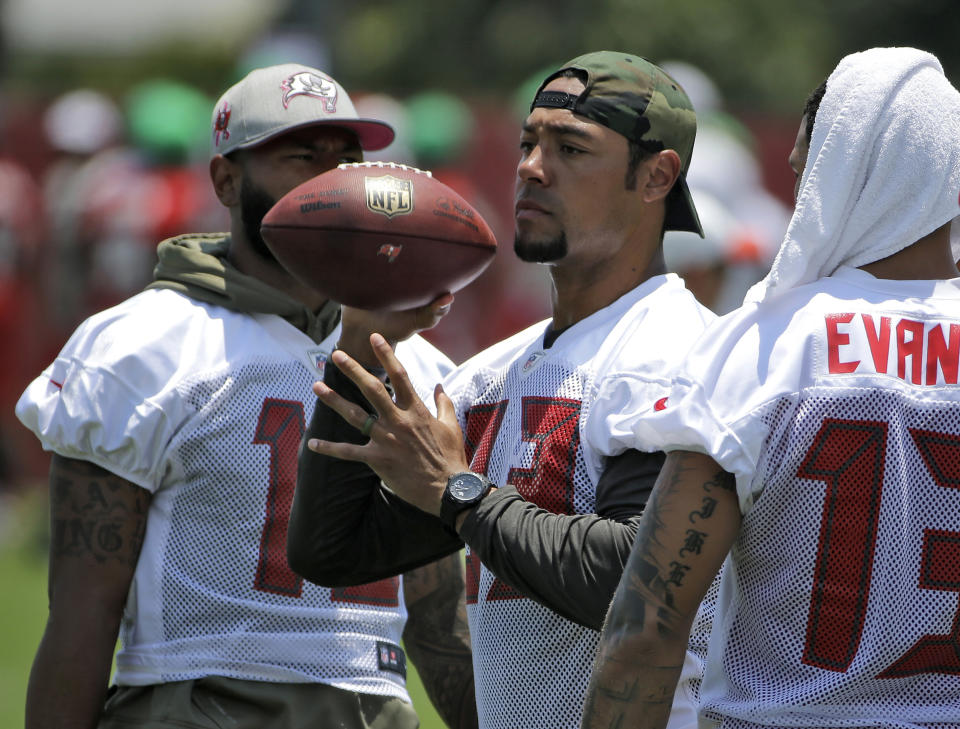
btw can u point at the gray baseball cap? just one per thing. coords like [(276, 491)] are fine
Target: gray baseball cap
[(274, 100)]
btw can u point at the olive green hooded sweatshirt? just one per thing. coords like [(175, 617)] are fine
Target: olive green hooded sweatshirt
[(196, 265)]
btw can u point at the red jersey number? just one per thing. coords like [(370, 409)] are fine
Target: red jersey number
[(281, 427), (552, 426), (849, 457)]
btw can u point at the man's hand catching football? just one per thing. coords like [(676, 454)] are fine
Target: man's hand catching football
[(411, 451)]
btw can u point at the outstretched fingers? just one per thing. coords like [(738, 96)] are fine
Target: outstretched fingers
[(371, 387), (352, 414), (446, 412), (343, 451), (404, 392)]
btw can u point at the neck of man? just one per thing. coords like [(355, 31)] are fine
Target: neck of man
[(246, 260), (580, 290), (929, 258)]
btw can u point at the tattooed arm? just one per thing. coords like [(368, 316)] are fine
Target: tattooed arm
[(687, 529), (97, 525), (437, 640)]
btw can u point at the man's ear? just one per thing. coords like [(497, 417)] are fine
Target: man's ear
[(226, 176), (664, 171)]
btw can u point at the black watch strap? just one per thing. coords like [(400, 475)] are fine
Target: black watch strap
[(464, 491)]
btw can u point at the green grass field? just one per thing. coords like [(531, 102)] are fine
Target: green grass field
[(23, 607)]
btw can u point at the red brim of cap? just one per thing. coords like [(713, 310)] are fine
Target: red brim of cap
[(372, 134)]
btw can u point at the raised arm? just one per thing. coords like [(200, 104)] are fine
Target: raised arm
[(345, 528), (685, 534), (569, 563), (97, 526)]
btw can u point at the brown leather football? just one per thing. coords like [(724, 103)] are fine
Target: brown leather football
[(379, 235)]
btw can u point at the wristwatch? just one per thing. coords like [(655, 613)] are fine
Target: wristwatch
[(463, 490)]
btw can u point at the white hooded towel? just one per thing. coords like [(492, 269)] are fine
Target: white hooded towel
[(882, 172)]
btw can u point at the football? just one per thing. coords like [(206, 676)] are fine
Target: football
[(378, 235)]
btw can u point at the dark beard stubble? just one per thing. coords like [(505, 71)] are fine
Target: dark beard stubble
[(540, 251), (254, 204)]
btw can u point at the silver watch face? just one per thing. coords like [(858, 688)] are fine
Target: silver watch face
[(466, 487)]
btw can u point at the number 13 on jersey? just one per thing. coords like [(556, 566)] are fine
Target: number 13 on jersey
[(849, 456)]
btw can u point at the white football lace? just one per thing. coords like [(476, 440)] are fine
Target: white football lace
[(384, 165)]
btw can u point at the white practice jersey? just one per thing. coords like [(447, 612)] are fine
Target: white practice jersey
[(837, 408), (527, 414), (205, 408)]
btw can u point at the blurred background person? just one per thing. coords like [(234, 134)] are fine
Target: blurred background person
[(124, 178), (84, 128), (745, 221), (21, 313)]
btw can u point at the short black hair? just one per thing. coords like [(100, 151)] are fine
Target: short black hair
[(577, 73), (635, 155), (812, 105)]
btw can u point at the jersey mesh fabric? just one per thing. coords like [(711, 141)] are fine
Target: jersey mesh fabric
[(837, 407), (531, 665), (206, 408), (523, 410), (229, 605), (844, 600)]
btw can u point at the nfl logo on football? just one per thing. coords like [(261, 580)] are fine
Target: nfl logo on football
[(389, 195)]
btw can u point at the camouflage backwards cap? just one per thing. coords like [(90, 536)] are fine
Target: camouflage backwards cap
[(637, 99)]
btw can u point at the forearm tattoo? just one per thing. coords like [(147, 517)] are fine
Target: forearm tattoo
[(94, 513), (652, 575), (624, 679), (438, 641)]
